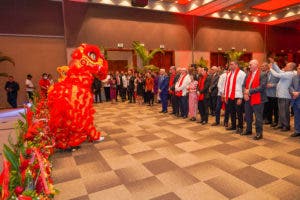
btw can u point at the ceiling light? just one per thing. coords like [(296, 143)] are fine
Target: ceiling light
[(240, 11), (249, 13), (258, 14), (176, 1), (270, 13), (287, 8), (229, 10)]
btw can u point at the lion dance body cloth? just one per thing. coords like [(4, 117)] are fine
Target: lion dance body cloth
[(70, 101)]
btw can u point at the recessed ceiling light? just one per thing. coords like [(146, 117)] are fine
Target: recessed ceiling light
[(270, 13), (249, 13), (240, 11), (229, 10), (258, 14), (176, 1)]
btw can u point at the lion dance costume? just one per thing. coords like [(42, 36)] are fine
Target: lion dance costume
[(70, 101)]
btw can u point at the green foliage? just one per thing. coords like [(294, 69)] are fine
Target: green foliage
[(233, 55), (131, 67), (151, 68), (143, 53), (11, 157), (201, 62)]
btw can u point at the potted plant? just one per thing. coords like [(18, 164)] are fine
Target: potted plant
[(145, 55)]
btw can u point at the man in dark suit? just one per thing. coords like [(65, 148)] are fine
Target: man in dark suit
[(203, 95), (213, 89), (271, 106), (163, 90), (295, 93), (255, 97)]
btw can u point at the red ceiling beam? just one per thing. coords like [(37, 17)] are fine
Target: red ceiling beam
[(212, 7)]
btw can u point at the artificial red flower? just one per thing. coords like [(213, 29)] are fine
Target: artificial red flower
[(19, 190), (22, 197)]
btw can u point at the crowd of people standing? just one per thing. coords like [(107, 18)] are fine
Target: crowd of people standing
[(263, 90)]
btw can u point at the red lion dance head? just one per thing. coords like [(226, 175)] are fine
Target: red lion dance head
[(70, 101)]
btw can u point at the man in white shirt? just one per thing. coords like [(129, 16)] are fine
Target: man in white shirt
[(181, 91), (221, 85), (29, 87), (234, 95)]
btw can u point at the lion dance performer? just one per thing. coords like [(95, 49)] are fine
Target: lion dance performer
[(70, 101)]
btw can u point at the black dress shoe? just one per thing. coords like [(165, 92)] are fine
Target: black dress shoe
[(247, 133), (295, 135), (278, 127), (274, 125), (230, 128), (193, 119), (239, 131), (226, 124), (215, 124), (258, 137), (285, 129)]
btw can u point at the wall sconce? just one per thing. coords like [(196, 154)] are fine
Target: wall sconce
[(244, 49), (120, 45), (162, 46), (220, 49), (232, 48)]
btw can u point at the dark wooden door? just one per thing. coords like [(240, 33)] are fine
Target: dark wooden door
[(117, 65), (218, 59), (163, 60)]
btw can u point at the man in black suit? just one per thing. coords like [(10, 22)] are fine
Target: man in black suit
[(213, 89), (295, 93)]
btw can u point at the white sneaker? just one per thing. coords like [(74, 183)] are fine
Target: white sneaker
[(100, 139)]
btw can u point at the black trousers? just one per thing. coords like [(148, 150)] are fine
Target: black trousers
[(149, 97), (218, 109), (235, 111), (118, 91), (97, 94), (258, 111), (203, 109), (123, 93), (12, 99), (107, 93), (177, 105), (213, 104), (30, 95), (131, 96), (184, 106), (271, 110)]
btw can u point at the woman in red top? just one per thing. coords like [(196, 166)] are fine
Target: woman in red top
[(44, 84), (149, 89)]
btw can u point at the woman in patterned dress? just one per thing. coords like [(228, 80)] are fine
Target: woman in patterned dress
[(193, 98)]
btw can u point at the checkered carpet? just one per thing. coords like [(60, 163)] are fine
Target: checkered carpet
[(149, 155)]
